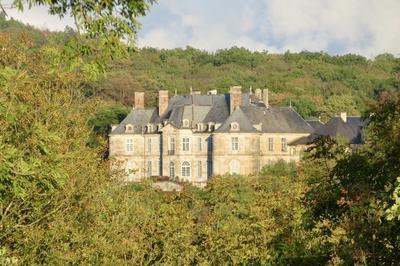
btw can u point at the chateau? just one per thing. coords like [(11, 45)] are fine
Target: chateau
[(194, 137)]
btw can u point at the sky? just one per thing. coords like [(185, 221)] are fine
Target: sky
[(366, 27)]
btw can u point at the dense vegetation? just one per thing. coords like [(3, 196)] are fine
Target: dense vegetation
[(317, 84), (58, 205)]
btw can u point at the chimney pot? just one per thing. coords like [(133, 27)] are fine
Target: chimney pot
[(259, 94), (343, 116), (265, 97)]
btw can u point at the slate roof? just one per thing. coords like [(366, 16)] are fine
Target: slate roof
[(245, 125), (315, 123), (138, 118), (215, 109), (350, 131)]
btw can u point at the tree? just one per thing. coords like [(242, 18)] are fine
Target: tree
[(101, 26), (356, 193)]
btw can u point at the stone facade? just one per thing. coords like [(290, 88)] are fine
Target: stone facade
[(195, 137)]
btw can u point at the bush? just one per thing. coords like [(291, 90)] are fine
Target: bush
[(280, 168)]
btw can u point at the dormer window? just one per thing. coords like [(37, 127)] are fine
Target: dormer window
[(185, 122), (234, 126), (210, 126), (129, 128), (150, 128), (200, 127)]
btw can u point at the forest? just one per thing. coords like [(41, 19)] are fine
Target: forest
[(59, 206)]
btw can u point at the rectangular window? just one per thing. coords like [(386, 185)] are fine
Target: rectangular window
[(149, 145), (172, 144), (284, 144), (129, 145), (171, 169), (270, 144), (185, 144), (199, 169), (199, 144), (149, 168), (235, 144)]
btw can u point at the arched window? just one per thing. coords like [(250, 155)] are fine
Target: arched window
[(171, 169), (185, 169), (235, 167)]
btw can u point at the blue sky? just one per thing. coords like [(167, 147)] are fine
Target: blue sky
[(367, 27)]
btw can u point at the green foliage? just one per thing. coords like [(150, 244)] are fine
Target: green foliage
[(59, 206), (104, 30), (102, 120), (354, 195), (316, 87), (280, 168)]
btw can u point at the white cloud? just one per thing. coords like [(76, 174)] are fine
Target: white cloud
[(367, 27), (39, 17), (209, 29)]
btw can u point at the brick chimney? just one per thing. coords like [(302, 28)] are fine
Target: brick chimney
[(162, 101), (139, 100), (343, 116), (265, 97), (235, 97)]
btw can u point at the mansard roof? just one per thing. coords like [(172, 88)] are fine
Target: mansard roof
[(138, 118), (277, 119), (252, 115), (238, 117), (350, 130)]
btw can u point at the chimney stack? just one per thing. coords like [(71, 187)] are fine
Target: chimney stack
[(258, 94), (265, 97), (139, 100), (162, 101), (343, 116), (235, 97)]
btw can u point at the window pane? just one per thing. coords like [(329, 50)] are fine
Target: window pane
[(149, 168), (199, 169), (185, 144), (270, 144), (171, 169), (149, 145), (284, 144), (235, 144), (185, 169), (129, 145)]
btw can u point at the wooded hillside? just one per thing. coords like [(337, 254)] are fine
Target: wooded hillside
[(317, 84)]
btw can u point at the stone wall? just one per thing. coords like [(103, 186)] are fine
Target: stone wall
[(146, 149), (213, 151), (197, 153)]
